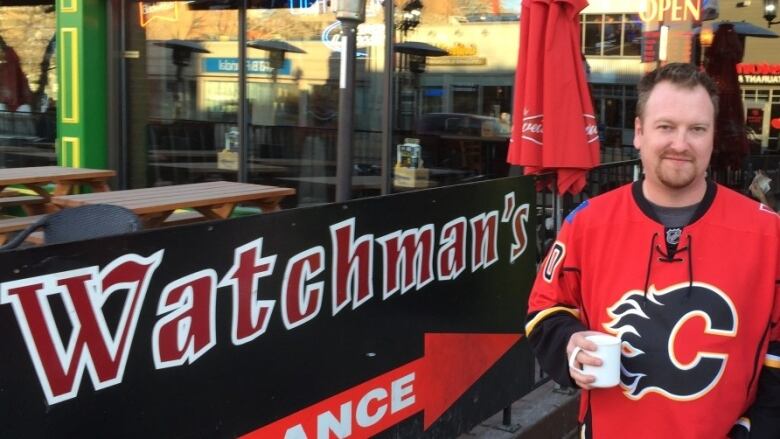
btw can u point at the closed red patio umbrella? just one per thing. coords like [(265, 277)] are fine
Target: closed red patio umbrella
[(558, 128), (526, 141)]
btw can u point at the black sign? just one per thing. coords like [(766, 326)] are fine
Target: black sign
[(399, 316)]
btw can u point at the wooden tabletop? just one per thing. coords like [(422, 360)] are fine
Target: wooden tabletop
[(212, 199), (65, 180), (48, 174)]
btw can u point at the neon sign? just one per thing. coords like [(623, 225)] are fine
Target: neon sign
[(163, 11), (670, 10)]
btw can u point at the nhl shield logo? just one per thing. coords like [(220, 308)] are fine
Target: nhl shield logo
[(673, 236)]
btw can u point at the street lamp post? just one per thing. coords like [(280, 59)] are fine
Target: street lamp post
[(350, 13)]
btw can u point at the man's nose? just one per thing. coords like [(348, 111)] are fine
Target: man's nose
[(680, 141)]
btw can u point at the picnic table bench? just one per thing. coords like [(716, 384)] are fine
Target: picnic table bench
[(212, 200)]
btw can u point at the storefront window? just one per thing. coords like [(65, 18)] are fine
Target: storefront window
[(496, 101), (615, 107), (592, 25), (295, 110), (181, 93), (461, 100), (632, 35), (611, 34), (186, 129), (28, 85), (762, 107), (465, 99), (630, 113), (453, 87), (433, 99)]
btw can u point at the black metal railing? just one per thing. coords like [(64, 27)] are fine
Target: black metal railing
[(27, 139)]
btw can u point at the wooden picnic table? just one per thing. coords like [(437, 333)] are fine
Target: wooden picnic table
[(64, 178), (213, 200)]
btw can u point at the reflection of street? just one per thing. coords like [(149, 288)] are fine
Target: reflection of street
[(14, 88)]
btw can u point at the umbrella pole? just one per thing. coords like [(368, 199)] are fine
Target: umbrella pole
[(557, 205)]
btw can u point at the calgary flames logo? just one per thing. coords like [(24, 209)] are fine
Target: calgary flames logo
[(649, 326)]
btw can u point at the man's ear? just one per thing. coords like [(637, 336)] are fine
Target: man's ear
[(638, 133)]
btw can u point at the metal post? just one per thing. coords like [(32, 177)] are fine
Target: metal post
[(557, 205), (389, 90), (243, 138), (506, 418), (346, 111), (123, 168)]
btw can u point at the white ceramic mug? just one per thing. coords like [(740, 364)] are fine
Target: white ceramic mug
[(608, 350)]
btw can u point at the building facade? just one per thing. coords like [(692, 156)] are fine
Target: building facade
[(152, 89)]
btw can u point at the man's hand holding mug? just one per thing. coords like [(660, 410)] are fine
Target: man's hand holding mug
[(594, 359)]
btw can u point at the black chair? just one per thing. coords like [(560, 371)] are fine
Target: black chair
[(79, 223)]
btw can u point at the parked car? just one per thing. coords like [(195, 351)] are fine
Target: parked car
[(462, 124)]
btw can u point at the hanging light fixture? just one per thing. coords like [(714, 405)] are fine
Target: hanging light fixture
[(770, 12)]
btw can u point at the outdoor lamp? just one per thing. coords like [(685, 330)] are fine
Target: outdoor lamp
[(353, 10), (770, 12), (410, 18), (706, 36)]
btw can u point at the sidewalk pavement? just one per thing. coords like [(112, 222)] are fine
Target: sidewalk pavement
[(545, 413)]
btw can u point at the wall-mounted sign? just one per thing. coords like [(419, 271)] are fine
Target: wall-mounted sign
[(254, 66), (459, 55), (670, 10), (163, 11), (758, 73), (456, 61), (460, 49)]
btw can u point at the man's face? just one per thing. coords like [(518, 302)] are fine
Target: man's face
[(675, 138)]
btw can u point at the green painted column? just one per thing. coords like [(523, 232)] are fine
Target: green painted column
[(82, 111)]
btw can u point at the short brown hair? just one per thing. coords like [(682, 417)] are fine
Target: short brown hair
[(680, 74)]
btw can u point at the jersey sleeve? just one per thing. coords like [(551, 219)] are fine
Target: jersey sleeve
[(554, 306), (764, 414)]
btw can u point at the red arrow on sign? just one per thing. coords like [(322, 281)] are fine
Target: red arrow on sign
[(450, 365)]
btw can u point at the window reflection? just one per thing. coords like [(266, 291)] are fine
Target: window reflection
[(458, 106), (28, 85), (182, 93), (455, 97)]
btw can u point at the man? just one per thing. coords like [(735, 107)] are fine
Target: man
[(683, 270), (761, 188)]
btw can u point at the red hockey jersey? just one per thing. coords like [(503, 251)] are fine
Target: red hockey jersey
[(695, 318)]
